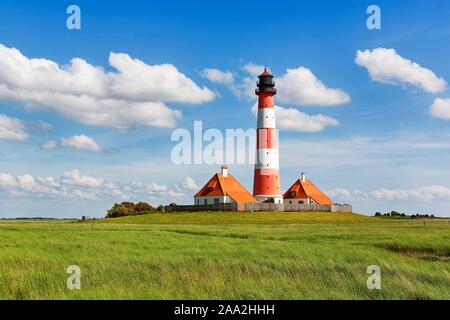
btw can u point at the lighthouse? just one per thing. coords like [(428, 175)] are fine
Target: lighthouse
[(266, 183)]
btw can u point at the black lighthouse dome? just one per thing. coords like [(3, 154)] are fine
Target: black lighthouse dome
[(265, 83)]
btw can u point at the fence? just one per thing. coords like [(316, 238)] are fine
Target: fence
[(251, 207)]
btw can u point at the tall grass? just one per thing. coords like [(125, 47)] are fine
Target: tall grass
[(226, 256)]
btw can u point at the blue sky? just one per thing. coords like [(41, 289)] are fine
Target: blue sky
[(377, 143)]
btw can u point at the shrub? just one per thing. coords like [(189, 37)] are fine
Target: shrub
[(119, 210), (128, 209), (143, 206)]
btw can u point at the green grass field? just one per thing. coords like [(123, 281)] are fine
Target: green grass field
[(226, 256)]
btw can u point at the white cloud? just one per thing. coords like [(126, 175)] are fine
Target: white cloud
[(218, 76), (418, 194), (49, 145), (291, 119), (12, 129), (187, 184), (76, 178), (133, 95), (301, 86), (225, 78), (74, 184), (297, 86), (7, 180), (156, 188), (386, 66), (79, 142), (295, 120), (441, 109), (253, 69), (26, 182)]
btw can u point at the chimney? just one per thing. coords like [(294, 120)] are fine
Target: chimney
[(224, 171), (303, 177)]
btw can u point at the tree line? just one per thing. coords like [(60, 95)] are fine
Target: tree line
[(395, 214)]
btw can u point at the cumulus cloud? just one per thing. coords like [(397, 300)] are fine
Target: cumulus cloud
[(441, 109), (253, 69), (301, 86), (76, 178), (134, 94), (79, 142), (187, 184), (297, 86), (74, 184), (291, 119), (7, 180), (218, 76), (421, 194), (225, 78), (295, 120), (387, 66), (12, 129)]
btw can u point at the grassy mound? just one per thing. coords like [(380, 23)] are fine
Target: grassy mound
[(240, 218)]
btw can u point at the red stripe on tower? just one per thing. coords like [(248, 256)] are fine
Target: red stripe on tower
[(266, 183)]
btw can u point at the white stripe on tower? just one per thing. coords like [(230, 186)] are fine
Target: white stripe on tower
[(266, 118), (267, 158)]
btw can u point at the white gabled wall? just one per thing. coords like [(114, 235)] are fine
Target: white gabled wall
[(210, 200), (295, 201)]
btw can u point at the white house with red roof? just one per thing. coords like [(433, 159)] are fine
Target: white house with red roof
[(223, 188), (304, 191)]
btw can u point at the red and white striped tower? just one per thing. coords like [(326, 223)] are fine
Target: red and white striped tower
[(266, 183)]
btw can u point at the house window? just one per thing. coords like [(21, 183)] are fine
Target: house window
[(205, 201), (198, 201), (216, 200), (300, 202), (290, 201), (293, 193)]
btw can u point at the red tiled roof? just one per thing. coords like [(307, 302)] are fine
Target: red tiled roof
[(307, 189), (219, 185)]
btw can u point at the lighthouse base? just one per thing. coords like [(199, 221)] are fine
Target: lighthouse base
[(262, 198)]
